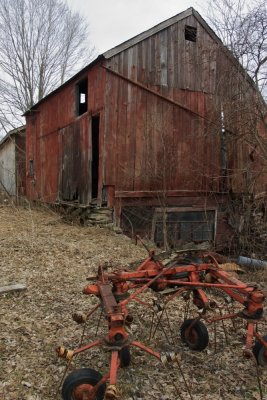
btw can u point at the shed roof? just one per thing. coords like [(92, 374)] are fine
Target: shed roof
[(17, 131)]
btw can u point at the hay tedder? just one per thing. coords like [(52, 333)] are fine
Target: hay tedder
[(194, 276)]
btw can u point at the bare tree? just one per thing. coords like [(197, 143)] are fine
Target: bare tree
[(42, 42), (242, 26), (240, 106)]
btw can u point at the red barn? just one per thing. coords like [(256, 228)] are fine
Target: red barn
[(154, 128)]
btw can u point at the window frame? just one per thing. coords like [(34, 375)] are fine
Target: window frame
[(81, 88), (190, 33), (157, 217)]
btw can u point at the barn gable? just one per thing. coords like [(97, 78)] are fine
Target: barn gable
[(160, 27)]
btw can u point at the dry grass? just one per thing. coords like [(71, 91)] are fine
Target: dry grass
[(53, 259)]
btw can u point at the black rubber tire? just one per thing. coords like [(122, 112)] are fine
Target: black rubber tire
[(125, 357), (258, 351), (197, 338), (79, 377)]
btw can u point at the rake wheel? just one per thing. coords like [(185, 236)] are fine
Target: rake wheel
[(260, 352), (125, 357), (79, 382), (195, 334)]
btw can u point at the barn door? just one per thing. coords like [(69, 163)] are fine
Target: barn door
[(75, 163)]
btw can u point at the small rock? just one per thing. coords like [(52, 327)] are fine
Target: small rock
[(27, 384), (117, 230)]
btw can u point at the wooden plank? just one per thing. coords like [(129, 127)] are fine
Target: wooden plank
[(140, 135), (164, 58), (192, 76), (130, 140), (148, 52), (157, 61), (151, 61), (172, 42), (133, 64), (110, 134), (132, 118), (16, 287), (102, 158), (153, 193), (150, 143), (121, 161), (180, 69), (140, 61), (176, 56), (168, 148), (157, 146)]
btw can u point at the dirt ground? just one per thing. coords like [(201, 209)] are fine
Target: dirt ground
[(53, 259)]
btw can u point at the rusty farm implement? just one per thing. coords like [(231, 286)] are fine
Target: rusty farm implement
[(187, 276)]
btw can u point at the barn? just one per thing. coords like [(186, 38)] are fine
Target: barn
[(157, 129)]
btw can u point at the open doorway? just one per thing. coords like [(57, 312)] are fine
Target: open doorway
[(95, 155)]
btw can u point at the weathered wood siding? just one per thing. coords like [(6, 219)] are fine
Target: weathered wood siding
[(75, 173), (8, 168), (238, 99), (151, 143), (154, 144), (167, 60), (21, 164), (59, 142)]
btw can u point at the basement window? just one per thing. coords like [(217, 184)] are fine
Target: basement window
[(82, 97), (190, 33), (186, 226)]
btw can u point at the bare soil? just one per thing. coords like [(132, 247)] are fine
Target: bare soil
[(53, 259)]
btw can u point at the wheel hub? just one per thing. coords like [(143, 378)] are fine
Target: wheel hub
[(191, 336), (84, 392)]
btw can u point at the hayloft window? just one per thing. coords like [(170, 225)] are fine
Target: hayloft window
[(82, 97), (190, 33)]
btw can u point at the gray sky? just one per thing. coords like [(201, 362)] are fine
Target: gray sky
[(114, 21)]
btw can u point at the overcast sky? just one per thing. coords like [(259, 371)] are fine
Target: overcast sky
[(114, 21)]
